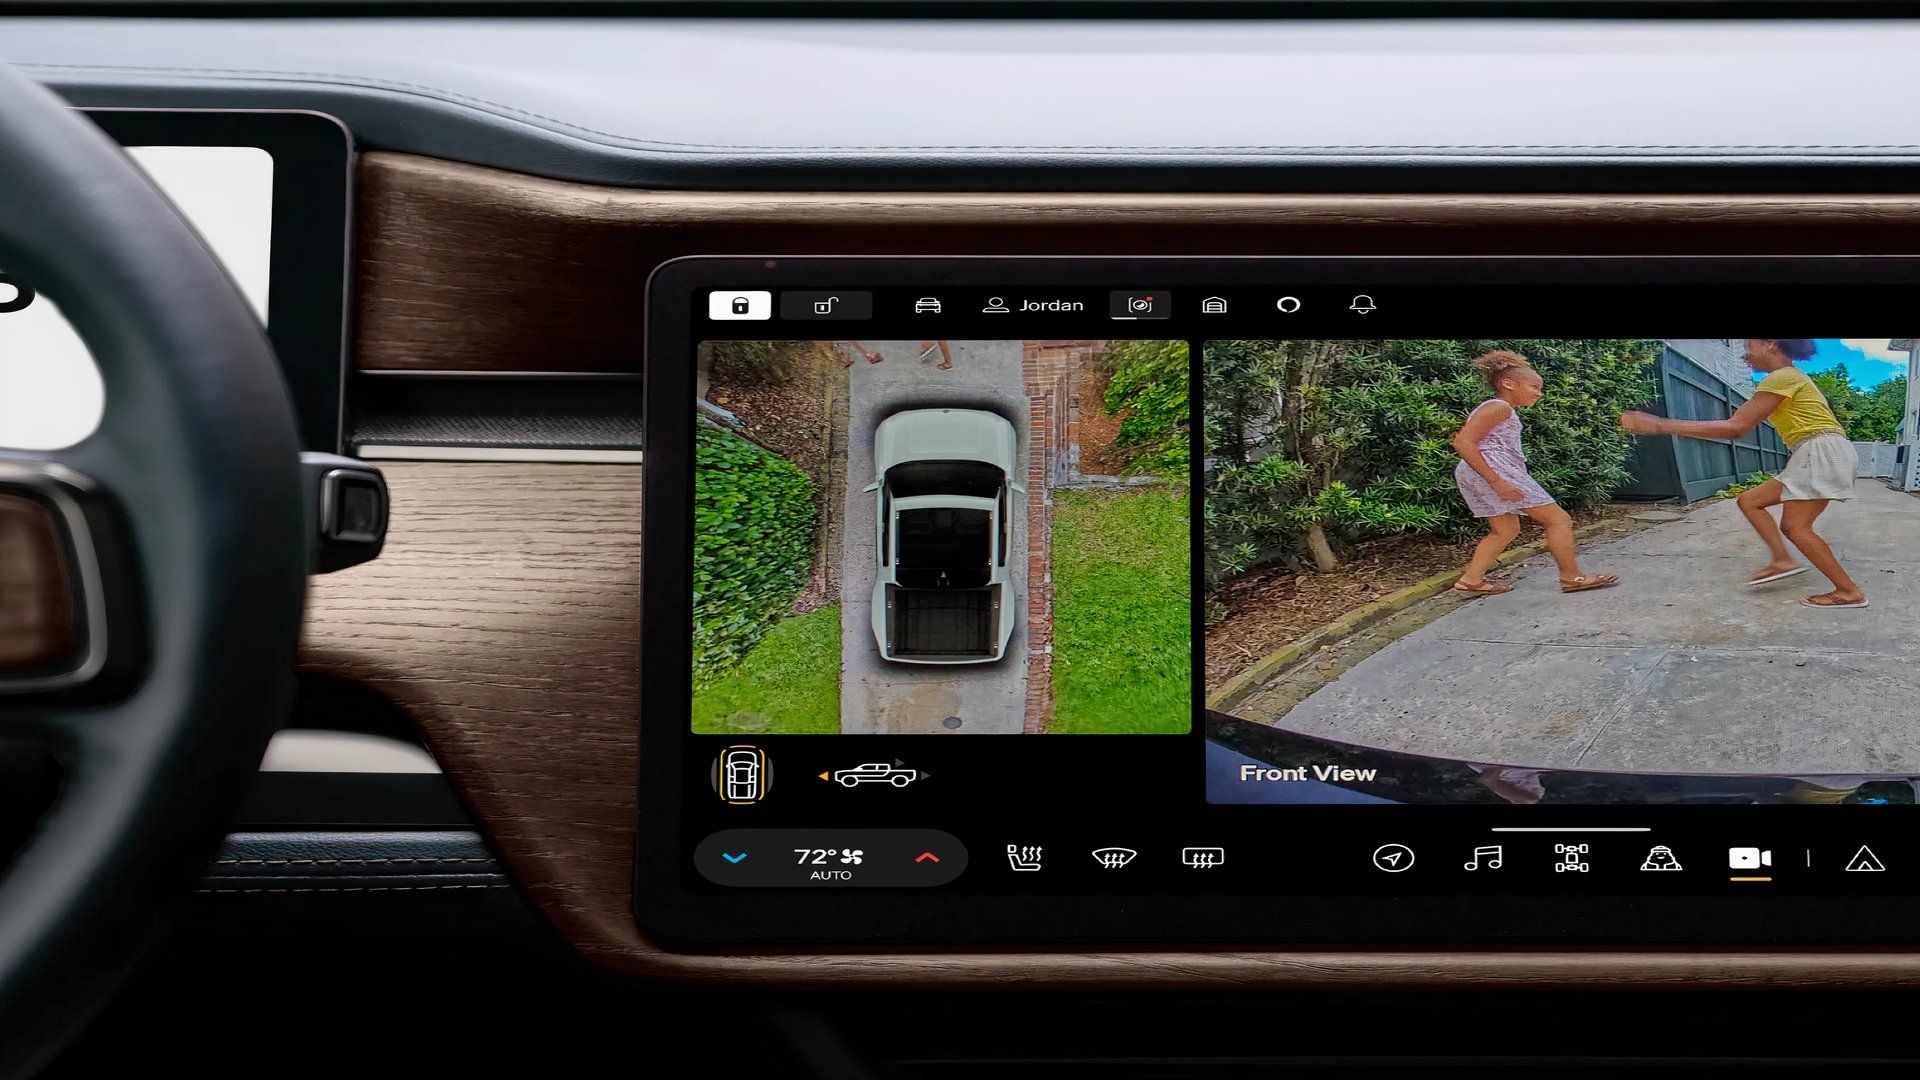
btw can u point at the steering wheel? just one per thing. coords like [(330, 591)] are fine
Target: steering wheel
[(179, 537)]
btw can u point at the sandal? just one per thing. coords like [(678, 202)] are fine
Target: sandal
[(1588, 581), (1771, 578), (1816, 601), (1485, 588)]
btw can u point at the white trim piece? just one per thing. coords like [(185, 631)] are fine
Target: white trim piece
[(395, 452), (310, 750)]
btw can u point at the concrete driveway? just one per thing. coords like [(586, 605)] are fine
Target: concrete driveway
[(877, 697), (1681, 668)]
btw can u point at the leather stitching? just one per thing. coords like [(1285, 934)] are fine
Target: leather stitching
[(421, 90)]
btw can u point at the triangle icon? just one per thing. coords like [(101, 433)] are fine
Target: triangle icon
[(1865, 861)]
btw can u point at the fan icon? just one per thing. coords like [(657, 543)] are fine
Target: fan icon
[(852, 855)]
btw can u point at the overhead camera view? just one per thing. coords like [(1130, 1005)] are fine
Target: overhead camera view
[(1494, 553), (941, 537)]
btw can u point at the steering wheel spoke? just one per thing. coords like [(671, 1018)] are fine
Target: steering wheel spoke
[(64, 600)]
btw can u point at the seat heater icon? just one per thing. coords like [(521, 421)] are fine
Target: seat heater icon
[(1025, 857)]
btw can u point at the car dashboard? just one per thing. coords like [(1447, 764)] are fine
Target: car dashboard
[(542, 208)]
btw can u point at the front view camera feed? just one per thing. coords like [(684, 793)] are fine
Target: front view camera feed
[(958, 537), (1526, 571)]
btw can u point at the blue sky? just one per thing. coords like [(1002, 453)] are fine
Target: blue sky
[(1868, 362)]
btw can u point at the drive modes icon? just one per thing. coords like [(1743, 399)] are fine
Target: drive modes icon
[(1661, 858)]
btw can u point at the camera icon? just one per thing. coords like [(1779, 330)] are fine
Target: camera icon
[(1140, 304)]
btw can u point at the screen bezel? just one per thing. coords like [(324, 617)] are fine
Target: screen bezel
[(674, 914), (307, 301)]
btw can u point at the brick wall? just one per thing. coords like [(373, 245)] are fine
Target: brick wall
[(1052, 430)]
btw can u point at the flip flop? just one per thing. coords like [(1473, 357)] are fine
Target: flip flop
[(1809, 602), (1485, 588), (1588, 581), (1771, 578)]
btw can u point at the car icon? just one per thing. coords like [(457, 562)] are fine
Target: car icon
[(878, 772), (927, 305), (742, 774)]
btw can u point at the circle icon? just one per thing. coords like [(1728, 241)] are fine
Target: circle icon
[(1287, 304), (1393, 858)]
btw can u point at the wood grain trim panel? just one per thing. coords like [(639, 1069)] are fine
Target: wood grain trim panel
[(504, 617), (464, 268)]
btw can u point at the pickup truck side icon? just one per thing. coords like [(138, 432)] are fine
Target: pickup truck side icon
[(878, 772)]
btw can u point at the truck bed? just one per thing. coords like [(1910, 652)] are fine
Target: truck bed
[(932, 624)]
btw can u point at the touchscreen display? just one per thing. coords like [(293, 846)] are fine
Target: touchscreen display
[(54, 393), (1271, 580)]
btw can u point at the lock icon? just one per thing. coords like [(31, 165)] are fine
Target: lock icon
[(739, 304)]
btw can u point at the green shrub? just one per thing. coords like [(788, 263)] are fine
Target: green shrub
[(1314, 442), (1575, 446), (1748, 484), (1148, 391), (752, 546)]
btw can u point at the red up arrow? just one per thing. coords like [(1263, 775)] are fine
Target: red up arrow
[(925, 855)]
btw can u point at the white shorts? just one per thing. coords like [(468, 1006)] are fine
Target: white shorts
[(1821, 467)]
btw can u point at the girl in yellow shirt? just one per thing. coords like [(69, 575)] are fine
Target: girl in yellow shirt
[(1820, 470)]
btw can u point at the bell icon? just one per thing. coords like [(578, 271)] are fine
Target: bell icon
[(1661, 858), (1362, 304)]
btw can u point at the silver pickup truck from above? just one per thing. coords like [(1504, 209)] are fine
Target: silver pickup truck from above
[(944, 490)]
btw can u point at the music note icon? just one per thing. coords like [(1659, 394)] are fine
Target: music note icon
[(1493, 855)]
